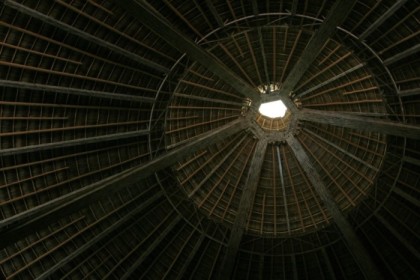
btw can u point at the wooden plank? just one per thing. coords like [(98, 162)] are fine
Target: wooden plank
[(245, 205), (151, 248), (86, 36), (151, 18), (361, 123), (400, 55), (357, 249), (335, 17), (24, 223), (99, 238), (75, 91), (72, 143), (372, 27)]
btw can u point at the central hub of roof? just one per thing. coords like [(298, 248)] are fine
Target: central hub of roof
[(272, 110), (272, 116)]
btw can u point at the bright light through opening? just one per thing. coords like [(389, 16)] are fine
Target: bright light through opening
[(275, 109)]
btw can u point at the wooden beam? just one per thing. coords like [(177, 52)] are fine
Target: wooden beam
[(283, 189), (294, 7), (409, 92), (255, 7), (372, 27), (407, 196), (76, 91), (245, 206), (151, 248), (295, 267), (328, 264), (397, 234), (24, 223), (214, 12), (332, 79), (151, 18), (191, 257), (264, 57), (86, 36), (72, 143), (335, 17), (207, 99), (344, 151), (411, 160), (361, 123), (400, 55), (100, 237), (227, 155), (357, 249)]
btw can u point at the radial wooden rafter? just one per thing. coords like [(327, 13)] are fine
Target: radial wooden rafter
[(159, 25), (335, 17), (20, 225), (363, 258), (332, 137)]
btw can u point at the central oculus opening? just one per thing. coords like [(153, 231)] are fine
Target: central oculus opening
[(274, 109)]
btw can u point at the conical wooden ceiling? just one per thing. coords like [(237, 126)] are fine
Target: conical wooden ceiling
[(131, 145)]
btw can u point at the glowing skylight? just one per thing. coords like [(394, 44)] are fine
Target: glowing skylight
[(275, 109)]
